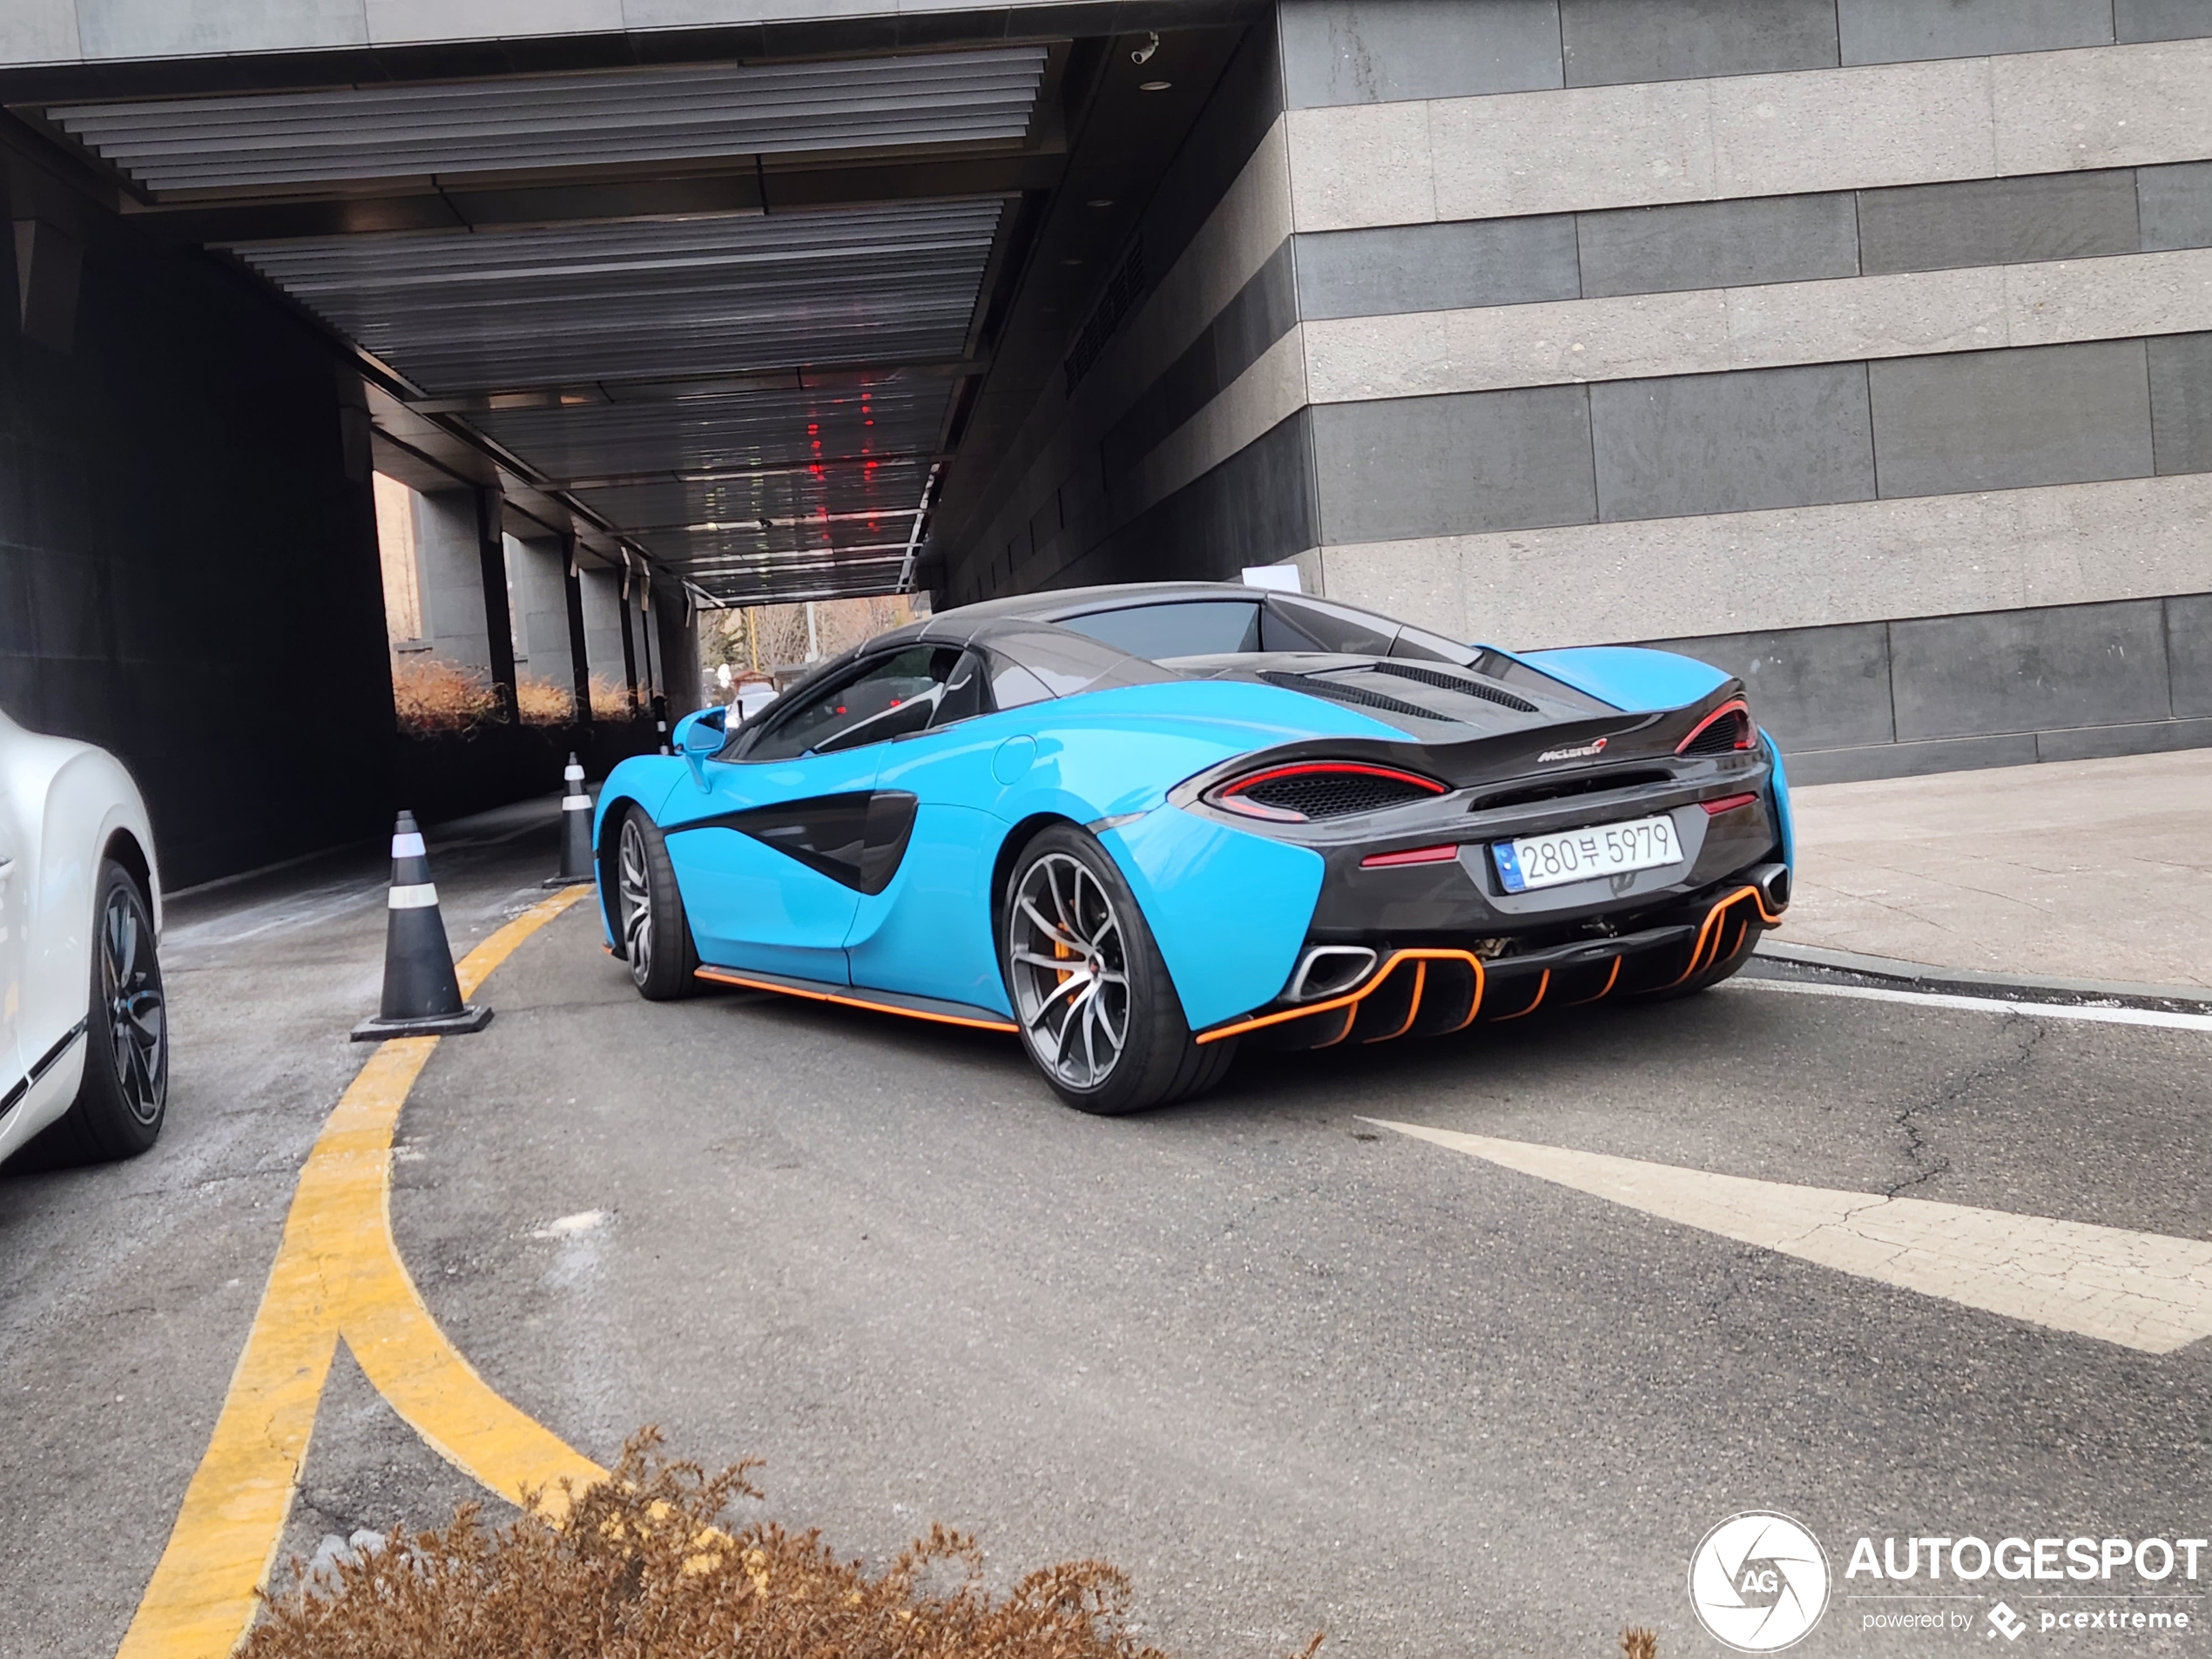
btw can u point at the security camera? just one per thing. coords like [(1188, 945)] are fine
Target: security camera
[(1143, 54)]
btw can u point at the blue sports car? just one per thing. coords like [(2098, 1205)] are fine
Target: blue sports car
[(1140, 826)]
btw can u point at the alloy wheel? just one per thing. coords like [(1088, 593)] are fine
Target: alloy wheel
[(1070, 970), (137, 1014), (634, 884)]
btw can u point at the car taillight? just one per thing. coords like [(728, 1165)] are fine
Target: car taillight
[(1307, 790), (1726, 803), (1726, 729), (1443, 854)]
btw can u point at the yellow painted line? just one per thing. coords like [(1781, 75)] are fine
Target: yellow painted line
[(337, 1273)]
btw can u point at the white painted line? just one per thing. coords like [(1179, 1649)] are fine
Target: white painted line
[(2142, 1290), (1985, 1004)]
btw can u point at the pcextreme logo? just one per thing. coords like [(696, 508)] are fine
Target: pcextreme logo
[(1758, 1582)]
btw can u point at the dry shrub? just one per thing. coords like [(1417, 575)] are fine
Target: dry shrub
[(1636, 1642), (433, 696), (545, 702), (643, 1568), (609, 699)]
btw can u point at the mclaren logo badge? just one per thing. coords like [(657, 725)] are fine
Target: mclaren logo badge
[(1595, 746)]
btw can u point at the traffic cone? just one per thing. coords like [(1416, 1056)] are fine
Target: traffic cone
[(576, 829), (421, 995)]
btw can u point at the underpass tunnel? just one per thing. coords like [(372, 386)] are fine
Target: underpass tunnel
[(577, 343), (1534, 322)]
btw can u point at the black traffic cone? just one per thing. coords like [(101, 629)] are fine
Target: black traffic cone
[(576, 829), (421, 995)]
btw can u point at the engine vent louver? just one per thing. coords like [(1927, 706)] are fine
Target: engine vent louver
[(1302, 791), (1333, 794), (1723, 732), (1314, 685), (1466, 685)]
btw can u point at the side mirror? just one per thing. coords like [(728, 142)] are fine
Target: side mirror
[(699, 735)]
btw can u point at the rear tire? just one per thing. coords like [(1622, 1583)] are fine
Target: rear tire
[(124, 1098), (1107, 1030), (648, 913)]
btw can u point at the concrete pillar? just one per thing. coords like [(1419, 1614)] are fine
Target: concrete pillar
[(450, 579), (499, 632), (579, 648), (537, 589), (628, 646), (602, 594)]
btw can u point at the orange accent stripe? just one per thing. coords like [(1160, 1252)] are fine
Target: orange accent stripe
[(1709, 933), (1475, 1002), (1543, 984), (1603, 990), (1391, 963), (725, 976), (1413, 1008), (1351, 1019)]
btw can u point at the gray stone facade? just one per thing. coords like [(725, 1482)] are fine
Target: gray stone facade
[(1864, 346)]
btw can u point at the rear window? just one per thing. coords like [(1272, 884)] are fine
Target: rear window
[(1199, 628)]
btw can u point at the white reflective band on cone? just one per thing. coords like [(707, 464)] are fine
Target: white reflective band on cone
[(574, 774), (576, 803), (407, 846), (421, 896)]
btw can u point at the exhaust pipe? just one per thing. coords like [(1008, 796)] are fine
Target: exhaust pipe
[(1329, 970), (1773, 882)]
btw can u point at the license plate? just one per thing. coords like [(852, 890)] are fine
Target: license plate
[(1533, 861)]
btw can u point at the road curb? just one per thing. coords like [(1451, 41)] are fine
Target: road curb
[(1927, 976)]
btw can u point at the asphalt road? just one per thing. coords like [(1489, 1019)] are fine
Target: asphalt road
[(1291, 1371)]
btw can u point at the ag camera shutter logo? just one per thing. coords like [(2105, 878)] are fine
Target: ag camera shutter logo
[(1758, 1582)]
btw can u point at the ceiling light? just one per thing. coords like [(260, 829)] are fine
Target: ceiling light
[(1100, 201), (1154, 87)]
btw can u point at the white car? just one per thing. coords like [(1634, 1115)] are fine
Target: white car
[(84, 1029)]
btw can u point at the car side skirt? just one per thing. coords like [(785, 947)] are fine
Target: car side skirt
[(853, 996)]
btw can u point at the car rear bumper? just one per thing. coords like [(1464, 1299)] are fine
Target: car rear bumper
[(1433, 987)]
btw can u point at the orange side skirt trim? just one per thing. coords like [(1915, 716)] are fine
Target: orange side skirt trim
[(726, 976)]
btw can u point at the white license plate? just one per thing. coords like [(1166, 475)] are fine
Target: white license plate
[(1534, 861)]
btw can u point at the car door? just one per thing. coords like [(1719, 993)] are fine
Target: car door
[(783, 833), (15, 904), (927, 930)]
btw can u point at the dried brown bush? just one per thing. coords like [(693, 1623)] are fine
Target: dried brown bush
[(1636, 1642), (643, 1568), (545, 702), (432, 696)]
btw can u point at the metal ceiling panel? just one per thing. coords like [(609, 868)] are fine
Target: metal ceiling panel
[(471, 311), (671, 113), (836, 474), (750, 432)]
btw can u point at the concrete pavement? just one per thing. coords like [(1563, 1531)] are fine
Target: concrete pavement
[(2074, 870), (1291, 1371)]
